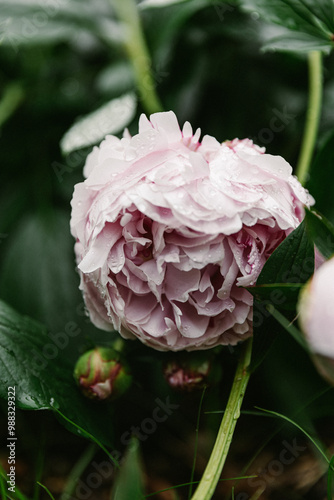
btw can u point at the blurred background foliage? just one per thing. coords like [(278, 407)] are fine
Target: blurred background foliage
[(63, 59)]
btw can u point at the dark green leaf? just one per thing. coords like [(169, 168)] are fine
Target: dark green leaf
[(291, 262), (282, 295), (321, 232), (38, 271), (34, 364), (282, 276), (129, 482)]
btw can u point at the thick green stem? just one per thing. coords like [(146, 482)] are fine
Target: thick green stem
[(220, 450), (313, 115), (127, 12)]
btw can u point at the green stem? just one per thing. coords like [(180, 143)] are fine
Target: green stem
[(313, 115), (127, 12), (77, 471), (220, 450)]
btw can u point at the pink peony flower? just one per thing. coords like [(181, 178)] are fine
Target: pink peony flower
[(169, 229)]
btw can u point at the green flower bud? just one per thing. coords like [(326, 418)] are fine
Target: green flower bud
[(101, 374)]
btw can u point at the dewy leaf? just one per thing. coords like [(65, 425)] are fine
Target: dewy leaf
[(129, 482), (41, 375), (110, 118), (321, 232)]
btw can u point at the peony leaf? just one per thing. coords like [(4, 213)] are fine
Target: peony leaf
[(282, 276), (283, 295), (110, 118), (38, 261), (42, 377), (321, 232), (307, 25), (129, 482), (291, 262), (297, 42)]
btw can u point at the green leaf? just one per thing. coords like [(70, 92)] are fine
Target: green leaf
[(290, 265), (307, 25), (291, 262), (116, 79), (33, 22), (38, 270), (321, 232), (111, 118), (129, 482), (289, 41), (284, 295), (35, 365)]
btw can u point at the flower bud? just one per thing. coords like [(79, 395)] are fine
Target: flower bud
[(101, 375), (316, 318), (190, 372)]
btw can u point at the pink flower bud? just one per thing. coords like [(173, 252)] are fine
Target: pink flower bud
[(191, 372), (101, 375), (316, 317)]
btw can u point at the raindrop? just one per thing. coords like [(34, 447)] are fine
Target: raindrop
[(255, 16)]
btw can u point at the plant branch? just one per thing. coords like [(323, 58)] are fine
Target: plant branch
[(313, 115), (221, 447), (127, 12)]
